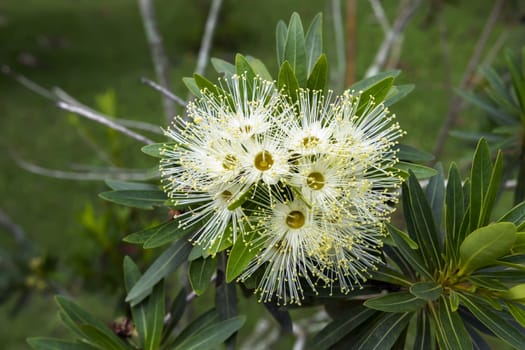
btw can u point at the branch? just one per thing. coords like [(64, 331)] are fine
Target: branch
[(339, 43), (392, 36), (163, 91), (457, 102), (211, 22), (351, 35), (102, 119), (379, 12), (17, 231), (158, 54)]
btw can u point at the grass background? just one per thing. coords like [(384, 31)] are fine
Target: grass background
[(100, 45)]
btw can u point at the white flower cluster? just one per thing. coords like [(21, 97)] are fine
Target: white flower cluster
[(311, 183)]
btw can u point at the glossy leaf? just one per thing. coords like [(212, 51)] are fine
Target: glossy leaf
[(518, 78), (142, 199), (240, 256), (318, 78), (39, 343), (280, 40), (166, 263), (435, 193), (451, 332), (314, 42), (397, 93), (101, 339), (487, 283), (206, 85), (207, 319), (479, 182), (409, 153), (155, 311), (375, 93), (259, 68), (396, 302), (243, 68), (420, 171), (295, 50), (424, 339), (518, 312), (222, 66), (213, 335), (516, 215), (386, 274), (200, 273), (516, 293), (340, 327), (138, 312), (166, 233), (384, 332), (492, 190), (287, 81), (483, 246), (454, 212), (367, 83), (141, 237), (426, 290), (154, 149), (413, 257), (494, 322), (192, 86)]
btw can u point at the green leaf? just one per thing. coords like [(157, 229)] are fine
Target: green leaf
[(454, 212), (166, 233), (396, 302), (117, 185), (40, 343), (518, 79), (281, 315), (280, 40), (413, 257), (519, 244), (213, 335), (318, 78), (176, 311), (225, 294), (492, 190), (516, 293), (243, 251), (159, 231), (383, 333), (287, 82), (294, 49), (408, 240), (192, 86), (341, 326), (397, 93), (243, 68), (480, 180), (409, 153), (208, 318), (200, 273), (483, 246), (497, 115), (155, 149), (138, 312), (420, 171), (367, 83), (498, 325), (95, 331), (420, 224), (517, 312), (155, 312), (435, 194), (224, 67), (426, 290), (424, 339), (142, 199), (314, 42), (376, 93), (166, 263), (451, 332), (386, 274), (259, 68), (516, 215), (487, 283)]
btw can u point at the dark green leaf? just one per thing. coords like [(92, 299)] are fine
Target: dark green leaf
[(383, 333), (142, 199), (155, 312), (451, 332), (226, 294), (518, 79), (497, 115), (516, 215), (200, 273), (287, 82), (409, 153), (117, 185), (413, 257), (408, 240), (243, 68), (166, 263), (397, 93), (294, 49), (57, 344), (503, 276), (435, 193), (396, 302), (420, 171), (314, 42), (375, 93), (205, 84), (243, 251), (224, 67), (386, 274), (480, 180), (280, 40), (318, 78), (207, 319), (492, 191), (166, 233), (213, 335), (338, 328), (424, 339), (420, 224), (483, 246), (281, 315), (143, 236), (487, 283), (498, 325), (138, 312), (454, 212), (517, 311), (101, 339), (426, 290), (192, 86), (367, 83), (175, 313)]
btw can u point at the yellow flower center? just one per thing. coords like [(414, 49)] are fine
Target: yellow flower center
[(295, 219), (226, 195), (315, 181), (263, 161), (229, 162), (310, 141)]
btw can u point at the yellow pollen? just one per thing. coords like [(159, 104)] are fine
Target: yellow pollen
[(229, 162), (263, 161), (226, 195), (246, 129), (295, 219), (310, 141), (315, 181)]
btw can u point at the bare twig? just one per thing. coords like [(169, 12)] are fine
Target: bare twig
[(111, 173), (351, 36), (211, 22), (457, 102), (29, 84), (158, 54), (102, 119), (445, 51), (339, 71), (392, 36), (17, 231), (164, 91), (379, 13)]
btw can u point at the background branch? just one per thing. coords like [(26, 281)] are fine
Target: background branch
[(211, 22)]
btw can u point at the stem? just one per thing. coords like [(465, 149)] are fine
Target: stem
[(211, 22), (351, 39), (339, 71)]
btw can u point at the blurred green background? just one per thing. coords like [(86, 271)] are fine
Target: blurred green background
[(94, 48)]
